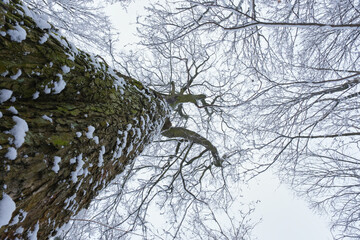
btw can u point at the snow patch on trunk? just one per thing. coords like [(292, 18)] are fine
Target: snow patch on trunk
[(13, 110), (18, 34), (35, 95), (56, 166), (59, 85), (45, 117), (101, 156), (19, 131), (79, 168), (90, 132), (65, 69), (17, 75), (32, 235), (7, 207), (5, 94), (11, 154), (44, 38)]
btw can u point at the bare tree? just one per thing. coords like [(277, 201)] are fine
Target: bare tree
[(83, 22), (69, 125), (55, 98), (252, 85), (271, 84), (291, 74), (192, 181)]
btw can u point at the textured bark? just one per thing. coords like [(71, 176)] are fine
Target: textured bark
[(125, 116), (183, 133)]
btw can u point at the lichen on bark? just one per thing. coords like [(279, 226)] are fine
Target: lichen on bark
[(121, 112)]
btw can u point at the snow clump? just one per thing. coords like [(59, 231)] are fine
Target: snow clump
[(60, 85), (79, 168), (11, 154), (65, 69), (19, 131), (7, 207), (47, 118), (44, 38), (5, 95), (90, 132), (4, 73), (18, 34), (32, 235), (35, 95), (13, 110), (56, 166), (17, 75), (101, 156)]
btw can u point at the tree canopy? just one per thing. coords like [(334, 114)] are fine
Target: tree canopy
[(254, 85), (281, 85)]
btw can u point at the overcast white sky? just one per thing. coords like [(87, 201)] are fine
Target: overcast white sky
[(284, 216)]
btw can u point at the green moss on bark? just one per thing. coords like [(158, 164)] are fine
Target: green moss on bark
[(56, 121)]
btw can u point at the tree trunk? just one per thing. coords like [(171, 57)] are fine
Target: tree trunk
[(68, 124)]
